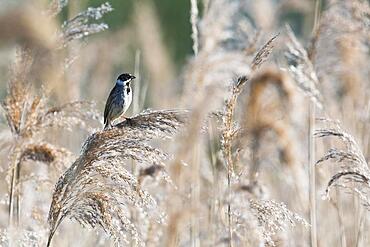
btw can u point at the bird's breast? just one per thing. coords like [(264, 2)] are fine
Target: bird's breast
[(127, 98)]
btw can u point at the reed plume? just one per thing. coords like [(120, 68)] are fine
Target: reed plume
[(27, 111), (29, 117), (341, 49), (274, 217), (302, 69), (97, 189), (353, 172)]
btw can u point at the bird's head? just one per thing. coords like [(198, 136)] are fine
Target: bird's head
[(125, 79)]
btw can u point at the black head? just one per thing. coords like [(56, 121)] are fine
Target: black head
[(125, 77)]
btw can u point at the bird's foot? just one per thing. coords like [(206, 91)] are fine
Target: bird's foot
[(107, 126), (129, 121)]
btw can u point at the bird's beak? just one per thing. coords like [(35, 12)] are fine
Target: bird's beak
[(133, 77)]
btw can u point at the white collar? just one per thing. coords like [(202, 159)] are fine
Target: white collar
[(121, 83)]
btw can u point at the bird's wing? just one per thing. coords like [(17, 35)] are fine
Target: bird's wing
[(108, 104)]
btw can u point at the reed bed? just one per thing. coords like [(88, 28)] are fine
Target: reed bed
[(261, 138)]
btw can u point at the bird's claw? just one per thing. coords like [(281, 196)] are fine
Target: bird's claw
[(129, 121)]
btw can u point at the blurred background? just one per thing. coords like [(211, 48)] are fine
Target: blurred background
[(159, 36)]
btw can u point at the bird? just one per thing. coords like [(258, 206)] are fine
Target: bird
[(119, 99)]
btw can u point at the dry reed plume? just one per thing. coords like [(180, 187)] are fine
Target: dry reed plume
[(353, 173), (28, 117), (98, 190), (27, 111)]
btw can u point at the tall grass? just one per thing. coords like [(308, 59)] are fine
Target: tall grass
[(241, 148)]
